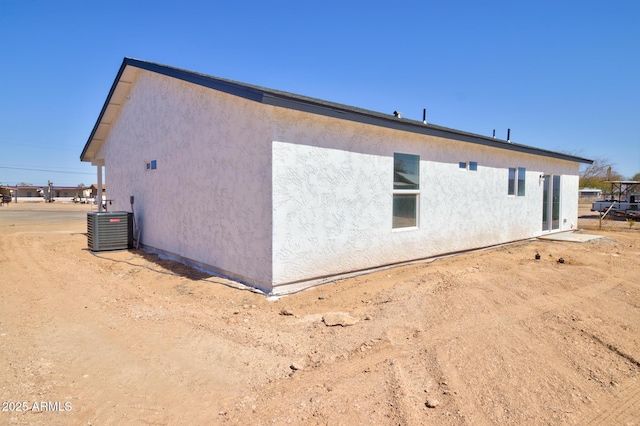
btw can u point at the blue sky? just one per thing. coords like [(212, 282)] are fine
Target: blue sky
[(563, 75)]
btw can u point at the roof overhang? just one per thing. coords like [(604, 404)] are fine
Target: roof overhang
[(110, 111), (130, 67)]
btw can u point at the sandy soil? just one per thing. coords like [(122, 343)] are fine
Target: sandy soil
[(488, 337)]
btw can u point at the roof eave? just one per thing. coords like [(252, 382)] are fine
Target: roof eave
[(317, 106), (413, 126), (83, 155)]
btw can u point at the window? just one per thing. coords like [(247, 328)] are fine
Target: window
[(512, 181), (151, 165), (516, 181), (406, 189), (473, 165), (521, 173)]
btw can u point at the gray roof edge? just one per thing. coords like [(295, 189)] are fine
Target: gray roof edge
[(321, 107), (414, 126)]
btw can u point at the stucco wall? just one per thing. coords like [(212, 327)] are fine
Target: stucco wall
[(275, 197), (209, 200), (569, 186), (332, 197)]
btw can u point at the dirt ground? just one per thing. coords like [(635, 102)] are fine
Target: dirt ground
[(486, 337)]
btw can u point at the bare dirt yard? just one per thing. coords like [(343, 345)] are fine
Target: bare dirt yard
[(486, 337)]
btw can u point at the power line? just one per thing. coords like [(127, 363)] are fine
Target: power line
[(43, 170)]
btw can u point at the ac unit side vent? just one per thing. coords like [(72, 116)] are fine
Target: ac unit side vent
[(109, 231)]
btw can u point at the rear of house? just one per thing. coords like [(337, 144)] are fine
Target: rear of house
[(282, 191)]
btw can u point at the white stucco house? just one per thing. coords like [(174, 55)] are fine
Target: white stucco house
[(282, 191)]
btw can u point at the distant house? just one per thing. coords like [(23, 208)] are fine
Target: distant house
[(28, 192), (67, 193), (589, 194), (40, 193), (283, 191)]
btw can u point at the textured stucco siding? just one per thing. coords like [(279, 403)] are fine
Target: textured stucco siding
[(333, 186), (569, 187), (209, 200), (279, 198)]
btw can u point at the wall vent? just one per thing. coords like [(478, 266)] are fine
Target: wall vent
[(109, 231)]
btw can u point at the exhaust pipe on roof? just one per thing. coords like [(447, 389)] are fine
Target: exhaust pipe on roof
[(509, 135), (424, 116)]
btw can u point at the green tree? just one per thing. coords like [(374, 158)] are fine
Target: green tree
[(636, 177)]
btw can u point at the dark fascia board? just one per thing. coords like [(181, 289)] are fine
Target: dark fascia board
[(325, 108), (222, 85), (413, 126), (246, 91)]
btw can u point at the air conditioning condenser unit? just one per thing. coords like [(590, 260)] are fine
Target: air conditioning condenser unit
[(109, 231)]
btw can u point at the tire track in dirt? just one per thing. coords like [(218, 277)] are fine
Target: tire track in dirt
[(625, 411), (512, 314), (386, 355), (612, 348), (402, 343), (409, 395), (531, 352), (506, 318), (343, 370), (405, 408)]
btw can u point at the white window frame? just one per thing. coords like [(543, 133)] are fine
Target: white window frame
[(467, 165), (414, 192), (522, 187), (518, 190), (151, 165)]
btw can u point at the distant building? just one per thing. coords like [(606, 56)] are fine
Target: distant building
[(93, 190), (28, 193), (39, 193), (5, 195), (589, 194)]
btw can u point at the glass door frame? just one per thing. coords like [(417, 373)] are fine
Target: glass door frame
[(551, 205)]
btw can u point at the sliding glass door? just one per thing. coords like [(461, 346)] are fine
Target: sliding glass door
[(551, 203)]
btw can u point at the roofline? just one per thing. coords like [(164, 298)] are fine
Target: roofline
[(321, 107), (104, 108)]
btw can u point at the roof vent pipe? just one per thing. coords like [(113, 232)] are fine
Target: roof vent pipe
[(424, 116), (398, 114), (494, 133), (509, 135)]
